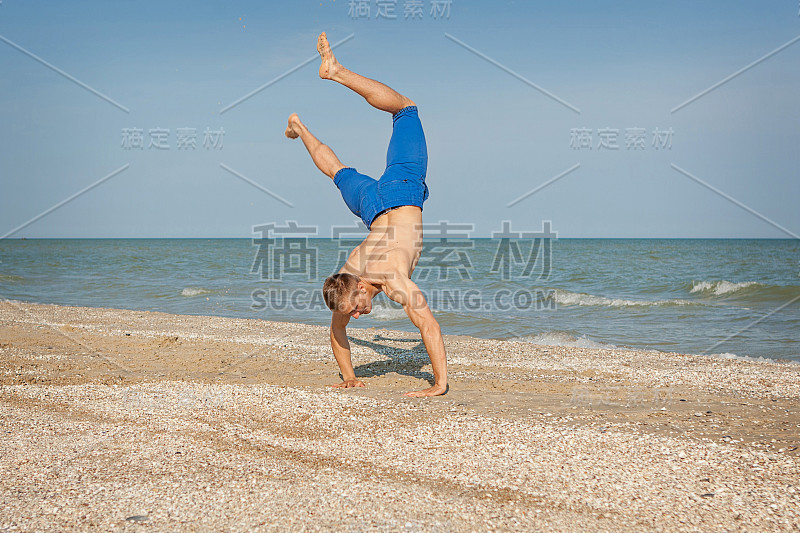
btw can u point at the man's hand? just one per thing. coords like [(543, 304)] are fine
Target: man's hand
[(436, 390), (348, 383)]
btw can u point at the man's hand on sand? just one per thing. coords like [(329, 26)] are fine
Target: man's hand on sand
[(349, 383), (436, 390)]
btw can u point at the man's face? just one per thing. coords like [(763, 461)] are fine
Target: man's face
[(358, 304)]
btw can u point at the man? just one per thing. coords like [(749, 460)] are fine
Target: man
[(392, 210)]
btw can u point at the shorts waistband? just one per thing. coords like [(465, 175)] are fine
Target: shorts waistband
[(404, 111), (386, 211)]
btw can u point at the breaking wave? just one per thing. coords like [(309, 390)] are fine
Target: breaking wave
[(578, 298), (749, 358), (562, 338), (745, 290), (385, 312), (718, 288), (194, 291)]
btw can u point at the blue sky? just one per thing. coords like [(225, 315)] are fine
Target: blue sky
[(491, 137)]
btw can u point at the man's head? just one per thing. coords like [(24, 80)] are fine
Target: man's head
[(347, 294)]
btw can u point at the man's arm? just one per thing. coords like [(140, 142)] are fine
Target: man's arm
[(341, 350), (405, 292)]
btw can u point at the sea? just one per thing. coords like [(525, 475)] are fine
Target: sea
[(730, 298)]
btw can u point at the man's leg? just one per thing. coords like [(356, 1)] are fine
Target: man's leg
[(376, 93), (322, 155)]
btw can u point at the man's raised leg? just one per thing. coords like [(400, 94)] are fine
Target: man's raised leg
[(376, 93), (322, 155)]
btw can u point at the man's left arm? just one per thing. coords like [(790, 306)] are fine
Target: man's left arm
[(405, 292)]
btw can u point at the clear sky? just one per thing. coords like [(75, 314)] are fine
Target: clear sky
[(492, 137)]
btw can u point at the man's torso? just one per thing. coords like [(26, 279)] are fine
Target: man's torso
[(393, 246)]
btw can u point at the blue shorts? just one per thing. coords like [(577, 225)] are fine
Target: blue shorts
[(403, 181)]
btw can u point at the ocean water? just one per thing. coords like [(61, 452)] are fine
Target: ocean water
[(728, 298)]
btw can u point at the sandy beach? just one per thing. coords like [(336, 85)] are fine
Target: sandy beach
[(118, 420)]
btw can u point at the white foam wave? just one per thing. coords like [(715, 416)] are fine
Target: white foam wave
[(194, 291), (718, 288), (384, 312), (749, 358), (578, 298), (562, 338)]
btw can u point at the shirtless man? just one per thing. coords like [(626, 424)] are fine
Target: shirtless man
[(392, 210)]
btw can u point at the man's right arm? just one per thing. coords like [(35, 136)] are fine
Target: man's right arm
[(341, 350)]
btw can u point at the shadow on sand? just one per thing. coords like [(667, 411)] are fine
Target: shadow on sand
[(404, 361)]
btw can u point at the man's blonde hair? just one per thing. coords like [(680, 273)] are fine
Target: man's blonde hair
[(338, 287)]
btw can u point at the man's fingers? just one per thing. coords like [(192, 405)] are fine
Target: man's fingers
[(347, 384)]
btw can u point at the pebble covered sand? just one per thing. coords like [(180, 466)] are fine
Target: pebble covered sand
[(129, 420)]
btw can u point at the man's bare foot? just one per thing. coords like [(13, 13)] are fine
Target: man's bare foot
[(293, 129), (329, 64)]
